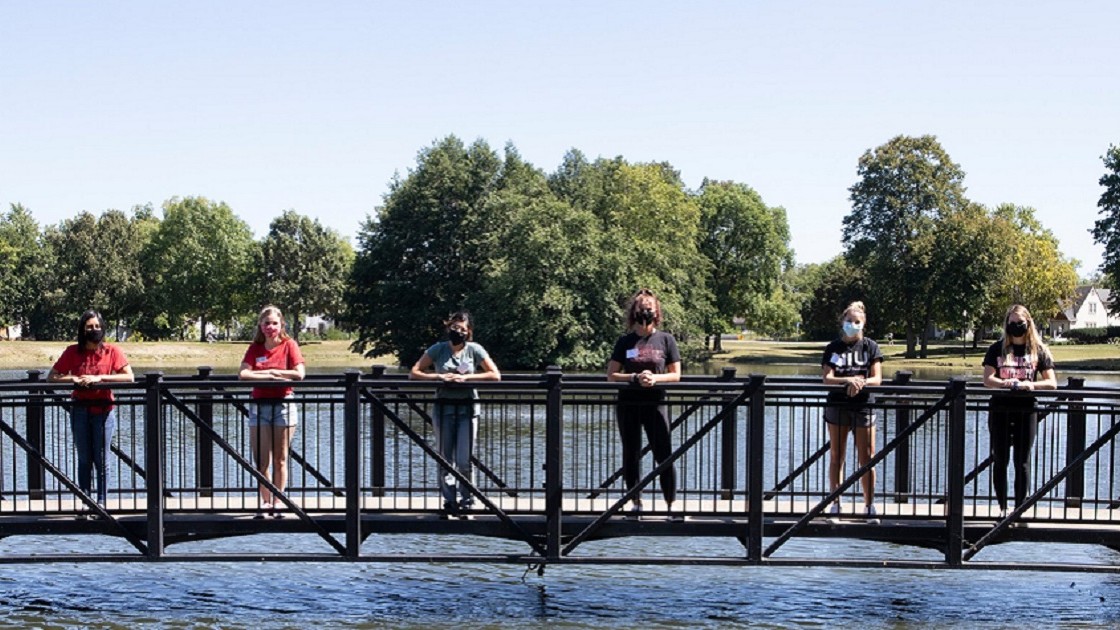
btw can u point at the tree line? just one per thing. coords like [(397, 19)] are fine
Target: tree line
[(546, 261), (160, 277)]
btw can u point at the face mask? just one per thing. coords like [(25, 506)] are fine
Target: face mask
[(852, 329), (95, 336), (644, 316), (1016, 329), (456, 337)]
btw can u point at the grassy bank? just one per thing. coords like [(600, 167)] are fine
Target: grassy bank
[(149, 356), (226, 357), (1084, 357)]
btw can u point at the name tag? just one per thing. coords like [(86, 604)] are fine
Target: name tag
[(632, 353), (261, 359), (836, 359)]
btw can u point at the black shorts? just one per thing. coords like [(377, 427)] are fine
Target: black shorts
[(849, 417)]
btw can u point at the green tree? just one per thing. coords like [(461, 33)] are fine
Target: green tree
[(303, 268), (1106, 230), (24, 269), (906, 187), (747, 246), (548, 295), (200, 260), (417, 260), (825, 290), (1033, 271)]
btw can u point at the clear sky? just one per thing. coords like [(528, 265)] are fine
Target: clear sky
[(313, 106)]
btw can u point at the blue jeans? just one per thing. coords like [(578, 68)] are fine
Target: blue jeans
[(455, 426), (93, 433)]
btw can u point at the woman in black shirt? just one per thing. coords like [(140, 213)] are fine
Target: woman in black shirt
[(1016, 364), (645, 357)]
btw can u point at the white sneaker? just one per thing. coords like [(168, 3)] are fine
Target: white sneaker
[(834, 513)]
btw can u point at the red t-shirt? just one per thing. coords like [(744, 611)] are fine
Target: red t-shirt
[(107, 359), (285, 356)]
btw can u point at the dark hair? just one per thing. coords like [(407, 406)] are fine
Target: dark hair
[(85, 317), (462, 317), (632, 310)]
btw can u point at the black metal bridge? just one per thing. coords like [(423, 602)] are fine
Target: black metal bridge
[(751, 455)]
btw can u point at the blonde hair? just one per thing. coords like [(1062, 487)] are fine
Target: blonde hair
[(1034, 344), (854, 306), (265, 312)]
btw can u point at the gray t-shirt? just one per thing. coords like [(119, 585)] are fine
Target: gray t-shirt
[(467, 361)]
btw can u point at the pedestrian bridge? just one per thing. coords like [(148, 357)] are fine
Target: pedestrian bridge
[(751, 454)]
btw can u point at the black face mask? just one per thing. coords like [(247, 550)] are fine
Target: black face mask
[(95, 336), (1016, 329), (455, 337), (644, 316)]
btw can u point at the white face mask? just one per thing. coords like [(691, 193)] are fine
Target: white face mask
[(852, 329)]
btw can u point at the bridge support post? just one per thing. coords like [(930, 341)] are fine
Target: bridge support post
[(1075, 445), (204, 455), (728, 446), (756, 432), (37, 436), (377, 442), (352, 464), (954, 539), (554, 462), (153, 462), (902, 415)]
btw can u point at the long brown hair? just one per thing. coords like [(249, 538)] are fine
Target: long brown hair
[(265, 312), (632, 309), (1035, 346)]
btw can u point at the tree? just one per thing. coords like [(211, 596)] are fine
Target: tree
[(1033, 272), (24, 268), (1106, 230), (417, 261), (906, 187), (548, 297), (747, 246), (200, 261), (304, 268), (826, 290)]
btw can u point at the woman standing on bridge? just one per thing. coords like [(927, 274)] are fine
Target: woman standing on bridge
[(92, 419), (855, 362), (1018, 363), (455, 417), (645, 357), (273, 356)]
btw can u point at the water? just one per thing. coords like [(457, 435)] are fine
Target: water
[(367, 595)]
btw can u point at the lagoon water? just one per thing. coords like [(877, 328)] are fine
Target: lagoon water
[(367, 595)]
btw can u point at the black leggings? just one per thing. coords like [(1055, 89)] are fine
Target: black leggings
[(1011, 428), (632, 418)]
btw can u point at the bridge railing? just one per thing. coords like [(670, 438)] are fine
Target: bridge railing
[(747, 448)]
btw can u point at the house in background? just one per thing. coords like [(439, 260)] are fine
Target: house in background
[(1089, 309)]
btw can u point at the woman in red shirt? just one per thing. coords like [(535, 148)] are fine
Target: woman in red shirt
[(92, 419), (273, 356)]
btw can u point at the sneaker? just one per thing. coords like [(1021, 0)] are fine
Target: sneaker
[(81, 515), (635, 512), (449, 511), (265, 508), (871, 514), (675, 515), (1002, 513), (835, 509)]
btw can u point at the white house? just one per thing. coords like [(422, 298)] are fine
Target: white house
[(1089, 309)]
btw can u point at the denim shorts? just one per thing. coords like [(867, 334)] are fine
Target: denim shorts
[(280, 412)]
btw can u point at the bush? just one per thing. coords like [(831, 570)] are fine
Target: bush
[(1094, 335)]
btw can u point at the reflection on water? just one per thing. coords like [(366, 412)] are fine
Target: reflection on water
[(381, 595)]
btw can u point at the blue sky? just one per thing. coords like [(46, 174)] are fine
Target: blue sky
[(314, 106)]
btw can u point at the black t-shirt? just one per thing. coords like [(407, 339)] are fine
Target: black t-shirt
[(638, 354), (851, 359), (1017, 365)]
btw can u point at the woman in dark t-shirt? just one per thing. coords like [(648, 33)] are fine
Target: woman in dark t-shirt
[(1016, 364), (645, 357), (855, 362)]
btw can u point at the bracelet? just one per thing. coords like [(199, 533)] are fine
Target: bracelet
[(634, 378)]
